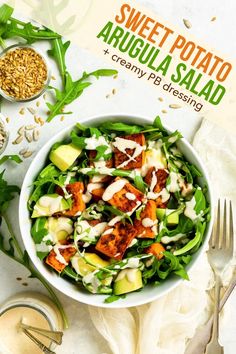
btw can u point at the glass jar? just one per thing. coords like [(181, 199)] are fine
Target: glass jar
[(4, 135), (33, 309)]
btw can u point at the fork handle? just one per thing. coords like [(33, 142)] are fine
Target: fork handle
[(215, 329)]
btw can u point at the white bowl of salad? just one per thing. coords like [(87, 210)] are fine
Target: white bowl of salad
[(115, 210)]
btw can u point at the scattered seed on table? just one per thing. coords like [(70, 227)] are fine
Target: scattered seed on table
[(113, 91), (30, 127), (213, 18), (18, 140), (115, 76), (22, 111), (25, 284), (164, 111), (23, 151), (27, 154), (18, 278), (38, 103), (7, 119), (36, 134), (175, 106), (36, 119), (187, 23), (62, 118), (53, 77), (21, 130), (28, 137), (160, 99), (41, 121), (107, 96), (31, 110)]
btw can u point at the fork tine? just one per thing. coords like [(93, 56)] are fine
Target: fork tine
[(218, 226), (231, 228), (224, 233)]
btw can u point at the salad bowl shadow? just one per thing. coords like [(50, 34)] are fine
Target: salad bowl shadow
[(149, 292)]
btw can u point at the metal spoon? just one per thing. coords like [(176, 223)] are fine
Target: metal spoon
[(42, 346), (55, 336)]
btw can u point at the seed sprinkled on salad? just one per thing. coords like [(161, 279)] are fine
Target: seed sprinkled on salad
[(118, 207)]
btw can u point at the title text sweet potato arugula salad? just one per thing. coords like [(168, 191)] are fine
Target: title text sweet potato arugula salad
[(118, 207)]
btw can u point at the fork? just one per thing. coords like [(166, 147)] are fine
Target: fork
[(220, 253)]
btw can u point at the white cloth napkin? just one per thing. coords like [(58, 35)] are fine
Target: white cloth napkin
[(164, 326)]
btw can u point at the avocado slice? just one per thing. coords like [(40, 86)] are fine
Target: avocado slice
[(60, 228), (83, 268), (64, 156), (172, 216), (49, 204), (128, 280)]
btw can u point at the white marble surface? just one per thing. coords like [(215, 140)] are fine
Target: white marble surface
[(132, 97)]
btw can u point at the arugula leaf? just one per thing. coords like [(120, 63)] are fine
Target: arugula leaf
[(7, 193), (58, 52), (200, 201), (120, 127), (113, 298), (139, 183), (72, 90), (38, 231), (14, 158)]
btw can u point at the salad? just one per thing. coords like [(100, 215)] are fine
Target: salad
[(117, 207)]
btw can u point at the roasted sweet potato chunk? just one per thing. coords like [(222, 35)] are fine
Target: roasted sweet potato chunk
[(127, 199), (76, 189), (115, 240), (131, 157), (161, 177), (146, 226), (97, 193), (66, 253), (156, 249)]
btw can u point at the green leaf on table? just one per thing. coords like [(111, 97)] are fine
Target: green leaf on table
[(7, 193), (58, 52), (72, 90), (14, 158), (16, 28)]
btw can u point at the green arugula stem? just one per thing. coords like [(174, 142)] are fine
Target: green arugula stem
[(33, 271), (2, 43), (14, 240)]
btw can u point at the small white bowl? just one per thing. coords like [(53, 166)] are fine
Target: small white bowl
[(147, 294)]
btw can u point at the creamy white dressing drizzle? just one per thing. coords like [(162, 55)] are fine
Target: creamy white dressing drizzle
[(174, 185), (123, 144), (59, 256), (84, 229), (108, 231), (86, 197), (147, 222), (92, 186), (99, 164), (113, 188), (189, 209), (128, 273), (42, 247), (130, 196), (93, 142), (167, 239), (114, 220), (53, 204), (164, 194), (92, 280)]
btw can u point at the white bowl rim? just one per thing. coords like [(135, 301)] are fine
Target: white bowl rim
[(39, 264)]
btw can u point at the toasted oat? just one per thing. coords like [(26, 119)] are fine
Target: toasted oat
[(62, 118), (36, 134), (44, 96), (175, 106), (115, 76), (164, 111), (8, 120), (53, 77), (31, 110), (41, 121), (187, 23), (160, 99), (18, 140), (107, 96), (22, 111), (23, 151), (27, 154), (37, 103), (28, 137), (36, 119), (113, 91), (30, 127), (213, 18), (21, 130)]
